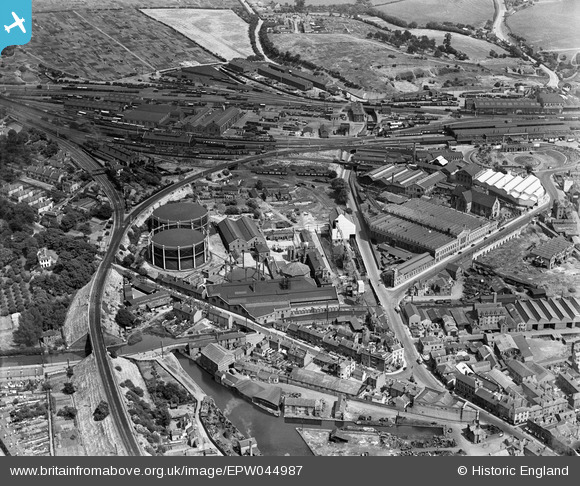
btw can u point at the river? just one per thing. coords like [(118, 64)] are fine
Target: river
[(275, 435)]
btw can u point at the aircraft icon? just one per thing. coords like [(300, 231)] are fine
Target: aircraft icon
[(17, 23)]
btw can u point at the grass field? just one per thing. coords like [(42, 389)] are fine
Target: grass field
[(471, 12), (219, 31), (377, 66), (59, 5), (476, 49), (550, 24)]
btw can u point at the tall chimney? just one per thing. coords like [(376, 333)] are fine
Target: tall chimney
[(495, 297)]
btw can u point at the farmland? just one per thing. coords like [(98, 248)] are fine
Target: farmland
[(221, 32), (471, 12), (549, 24), (108, 45)]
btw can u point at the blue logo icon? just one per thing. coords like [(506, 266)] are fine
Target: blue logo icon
[(15, 22)]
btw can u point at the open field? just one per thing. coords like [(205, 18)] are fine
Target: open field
[(563, 280), (476, 49), (471, 12), (6, 330), (221, 32), (108, 45), (59, 5), (550, 24), (377, 66)]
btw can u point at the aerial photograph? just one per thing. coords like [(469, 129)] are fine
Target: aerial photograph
[(294, 228)]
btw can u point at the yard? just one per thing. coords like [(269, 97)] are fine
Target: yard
[(221, 32)]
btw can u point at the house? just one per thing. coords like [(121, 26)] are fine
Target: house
[(46, 258), (475, 433), (299, 356)]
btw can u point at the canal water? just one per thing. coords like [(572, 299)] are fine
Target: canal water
[(276, 436)]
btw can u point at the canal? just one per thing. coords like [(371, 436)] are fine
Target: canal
[(276, 436)]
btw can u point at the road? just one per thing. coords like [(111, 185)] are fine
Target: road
[(501, 32), (499, 28)]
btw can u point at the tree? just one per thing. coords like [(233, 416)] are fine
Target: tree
[(128, 260), (447, 41), (68, 388), (342, 196), (101, 412), (259, 184), (338, 184), (125, 318), (299, 5), (67, 412), (69, 372)]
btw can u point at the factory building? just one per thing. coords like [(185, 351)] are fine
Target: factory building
[(521, 191), (239, 235), (420, 226), (553, 252)]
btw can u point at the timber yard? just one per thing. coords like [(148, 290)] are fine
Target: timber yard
[(231, 249)]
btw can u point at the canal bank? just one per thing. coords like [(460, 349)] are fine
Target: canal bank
[(276, 436)]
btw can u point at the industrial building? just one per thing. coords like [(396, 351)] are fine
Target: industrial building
[(521, 191), (553, 252), (420, 226), (212, 122), (490, 131), (151, 116), (180, 215), (404, 179), (239, 235), (178, 249), (398, 274), (498, 106), (285, 78), (268, 300)]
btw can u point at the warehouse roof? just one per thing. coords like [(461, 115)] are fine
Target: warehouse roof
[(244, 229), (552, 248)]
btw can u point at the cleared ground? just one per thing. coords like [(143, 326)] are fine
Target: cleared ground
[(563, 280), (377, 66), (550, 24), (471, 12), (221, 32)]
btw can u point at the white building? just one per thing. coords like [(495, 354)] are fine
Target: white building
[(341, 226), (46, 258)]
